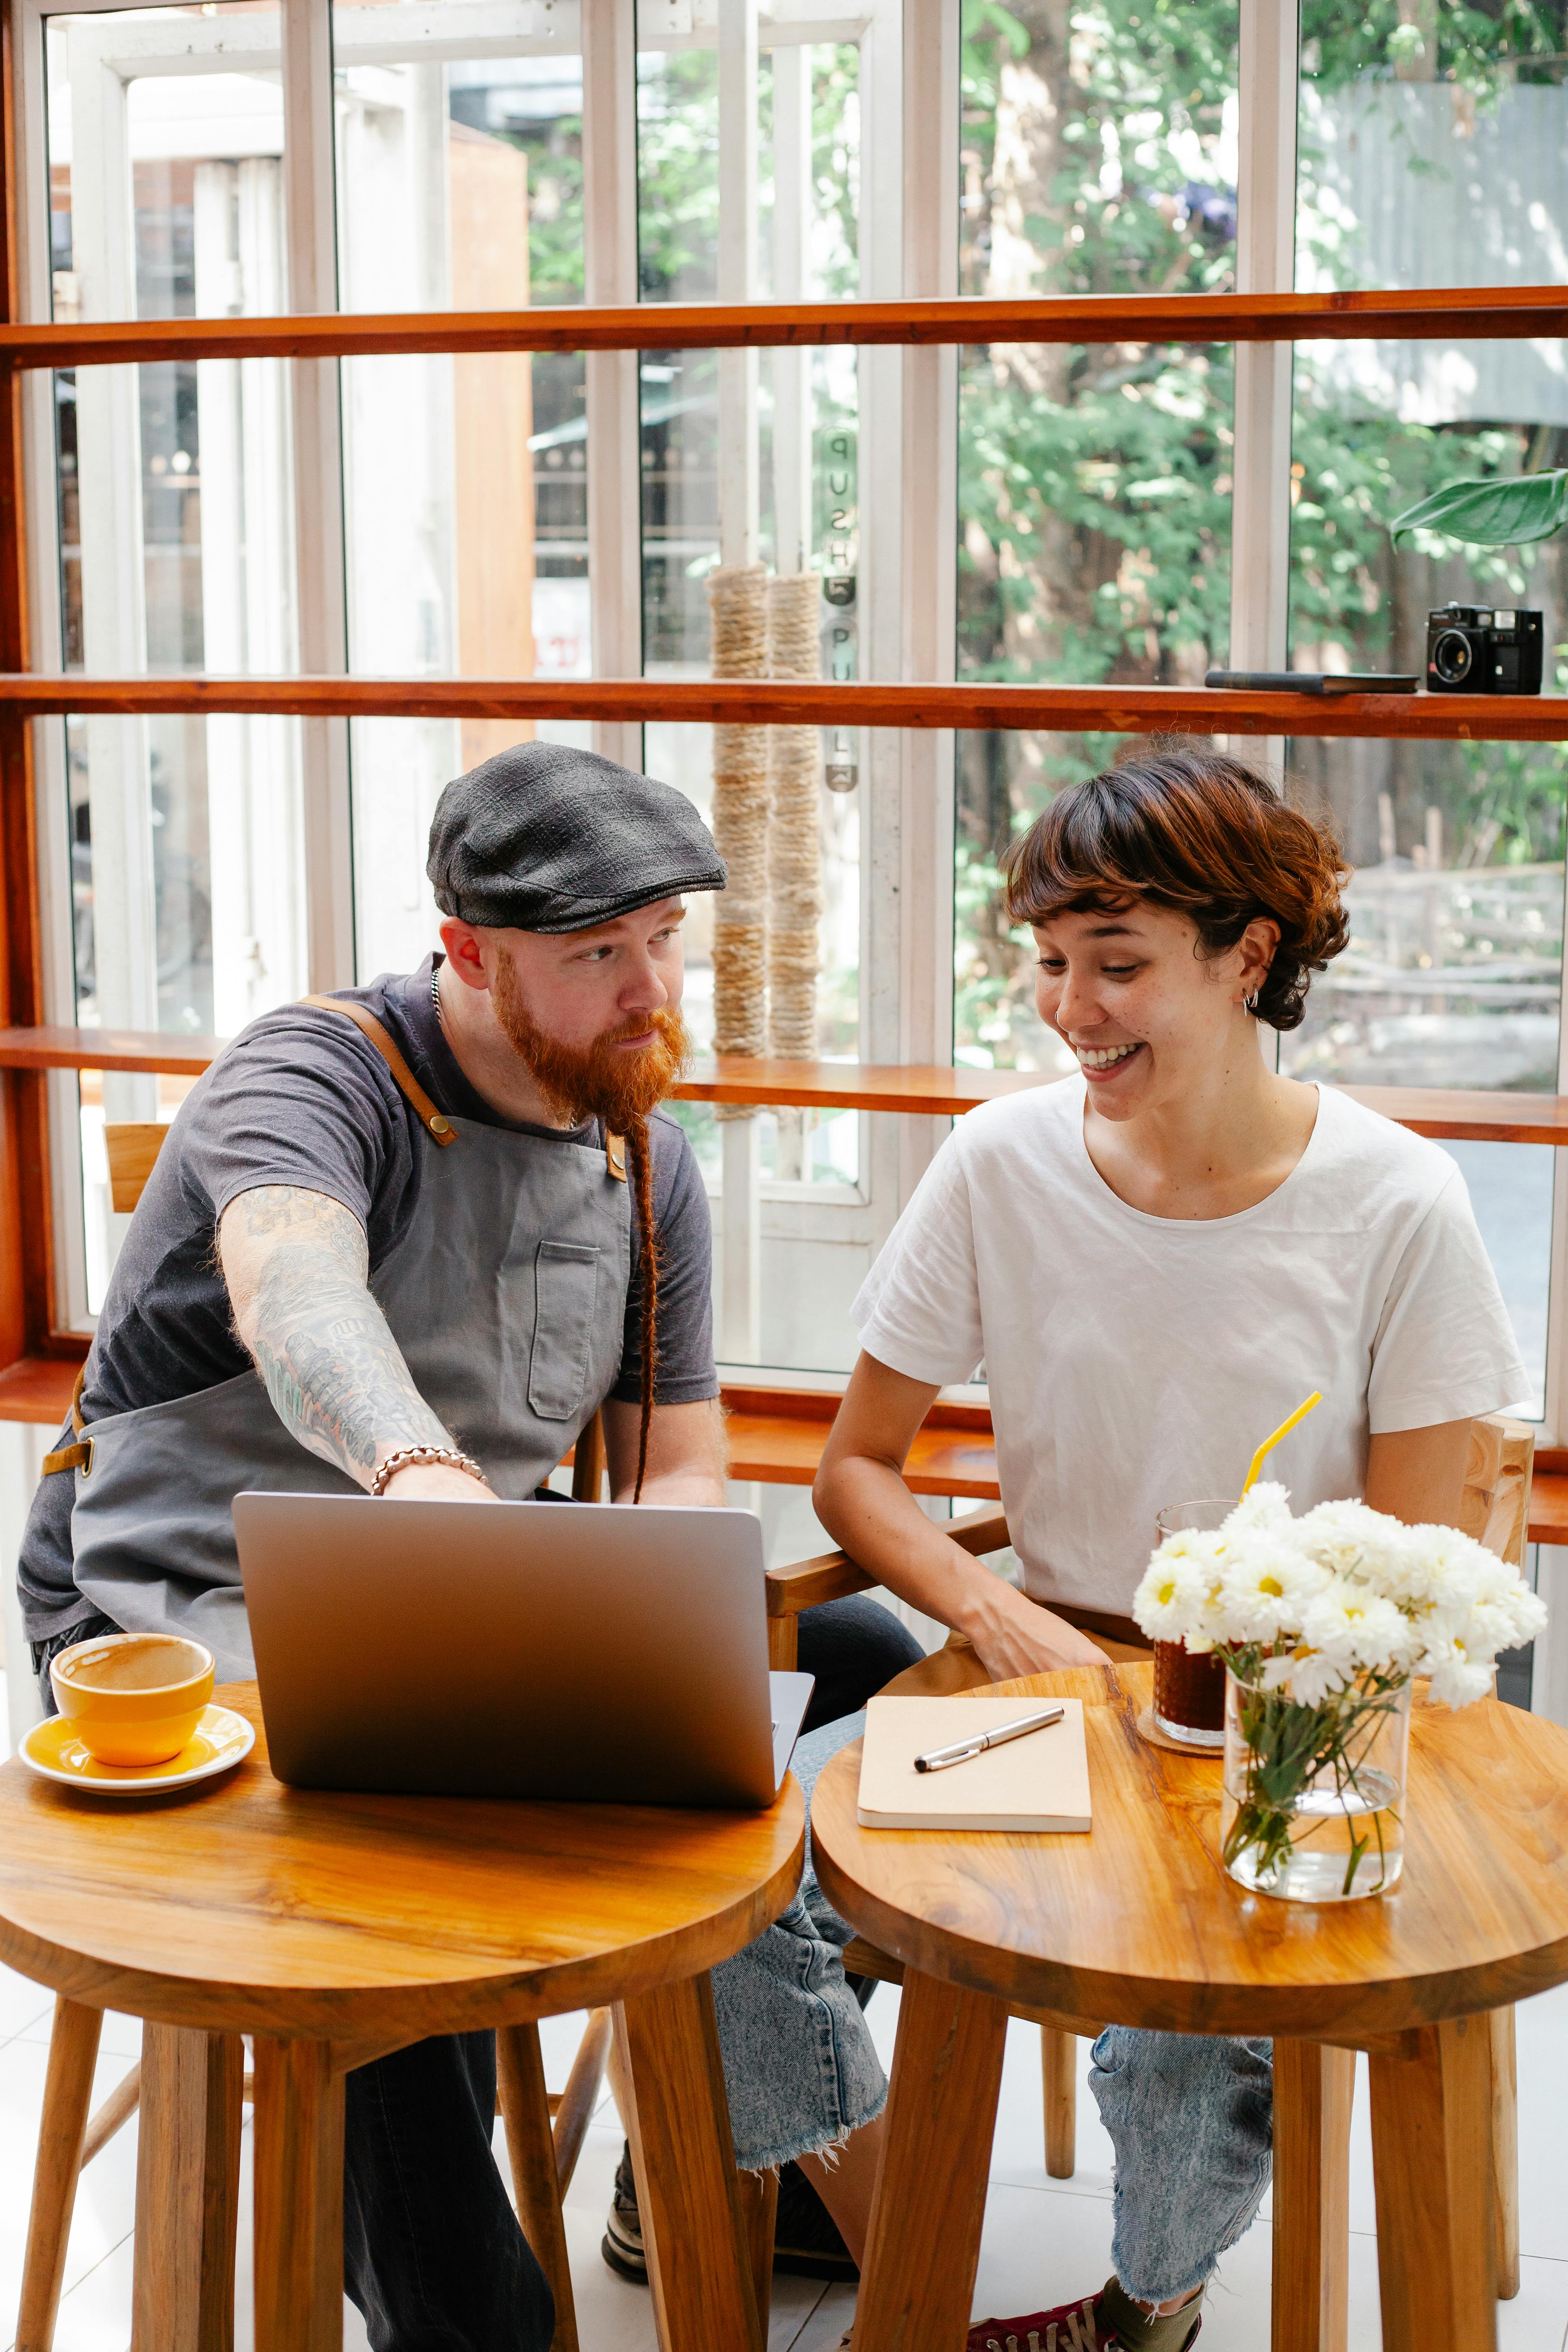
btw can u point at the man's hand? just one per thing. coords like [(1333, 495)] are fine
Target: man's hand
[(296, 1266), (436, 1482)]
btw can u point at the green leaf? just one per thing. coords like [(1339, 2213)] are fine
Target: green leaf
[(1510, 511)]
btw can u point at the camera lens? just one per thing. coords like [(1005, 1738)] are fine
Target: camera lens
[(1453, 656)]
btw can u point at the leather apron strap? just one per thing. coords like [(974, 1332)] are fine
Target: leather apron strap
[(78, 1456), (435, 1122)]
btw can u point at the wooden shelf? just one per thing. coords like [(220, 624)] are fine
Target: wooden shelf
[(1442, 314), (170, 1054), (931, 1090), (977, 705), (38, 1387), (776, 1437)]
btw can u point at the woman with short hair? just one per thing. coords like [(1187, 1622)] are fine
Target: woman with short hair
[(1155, 1261)]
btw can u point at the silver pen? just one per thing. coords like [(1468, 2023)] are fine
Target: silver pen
[(939, 1758)]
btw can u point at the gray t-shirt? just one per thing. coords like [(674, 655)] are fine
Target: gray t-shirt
[(303, 1097)]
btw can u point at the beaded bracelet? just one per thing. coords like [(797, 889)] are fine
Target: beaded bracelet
[(407, 1455)]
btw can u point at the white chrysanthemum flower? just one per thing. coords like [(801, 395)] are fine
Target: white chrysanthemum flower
[(1265, 1509), (1170, 1602), (1348, 1588), (1317, 1674), (1353, 1540), (1355, 1626), (1438, 1568), (1458, 1679), (1266, 1584)]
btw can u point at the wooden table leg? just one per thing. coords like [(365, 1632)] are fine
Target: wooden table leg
[(1312, 2091), (684, 2160), (1059, 2080), (525, 2109), (1505, 2153), (581, 2096), (188, 2190), (925, 2243), (1431, 2145), (759, 2219), (67, 2097), (298, 2128)]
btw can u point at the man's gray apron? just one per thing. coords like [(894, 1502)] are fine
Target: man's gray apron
[(507, 1296)]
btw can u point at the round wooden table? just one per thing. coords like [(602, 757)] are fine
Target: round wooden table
[(1138, 1924), (335, 1929)]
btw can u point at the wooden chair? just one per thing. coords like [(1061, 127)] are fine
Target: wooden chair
[(1495, 1509)]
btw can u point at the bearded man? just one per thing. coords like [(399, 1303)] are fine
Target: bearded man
[(443, 1219)]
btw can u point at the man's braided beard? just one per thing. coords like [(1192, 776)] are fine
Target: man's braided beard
[(604, 1081)]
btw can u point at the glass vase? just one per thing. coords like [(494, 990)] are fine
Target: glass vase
[(1313, 1804)]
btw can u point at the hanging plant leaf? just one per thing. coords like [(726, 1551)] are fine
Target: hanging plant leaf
[(1507, 512)]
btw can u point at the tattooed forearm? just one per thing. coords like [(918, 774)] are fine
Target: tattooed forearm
[(296, 1264)]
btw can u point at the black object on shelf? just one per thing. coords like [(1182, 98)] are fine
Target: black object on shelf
[(1311, 681), (1482, 649)]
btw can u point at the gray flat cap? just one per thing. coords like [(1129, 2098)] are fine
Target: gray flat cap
[(545, 838)]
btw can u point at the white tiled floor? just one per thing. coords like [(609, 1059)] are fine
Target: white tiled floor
[(1043, 2240)]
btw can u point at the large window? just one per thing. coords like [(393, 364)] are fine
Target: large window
[(1120, 513)]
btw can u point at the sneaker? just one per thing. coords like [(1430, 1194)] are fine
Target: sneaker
[(807, 2244), (622, 2245), (1107, 2322)]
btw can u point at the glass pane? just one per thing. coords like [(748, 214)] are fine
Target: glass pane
[(193, 825), (1431, 154), (165, 145), (459, 186), (1453, 974), (1510, 1186), (755, 457), (1094, 480)]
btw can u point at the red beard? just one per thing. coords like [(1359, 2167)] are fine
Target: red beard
[(598, 1081)]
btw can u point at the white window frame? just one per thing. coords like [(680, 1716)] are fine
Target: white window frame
[(909, 78)]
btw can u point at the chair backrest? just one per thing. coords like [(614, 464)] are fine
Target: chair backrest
[(133, 1146), (1495, 1506)]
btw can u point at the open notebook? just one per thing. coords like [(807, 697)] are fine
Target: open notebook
[(1038, 1782)]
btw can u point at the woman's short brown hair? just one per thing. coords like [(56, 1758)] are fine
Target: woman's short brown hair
[(1203, 833)]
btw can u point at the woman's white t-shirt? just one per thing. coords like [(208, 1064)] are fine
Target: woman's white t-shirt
[(1136, 1361)]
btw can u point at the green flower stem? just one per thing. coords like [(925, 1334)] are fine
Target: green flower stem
[(1288, 1744)]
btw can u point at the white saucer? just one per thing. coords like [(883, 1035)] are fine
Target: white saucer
[(221, 1741)]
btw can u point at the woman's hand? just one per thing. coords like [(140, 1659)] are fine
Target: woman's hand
[(1013, 1635)]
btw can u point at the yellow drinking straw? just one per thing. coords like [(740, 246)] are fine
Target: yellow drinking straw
[(1283, 1431)]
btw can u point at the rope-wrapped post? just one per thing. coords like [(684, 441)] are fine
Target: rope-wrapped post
[(737, 601), (795, 831)]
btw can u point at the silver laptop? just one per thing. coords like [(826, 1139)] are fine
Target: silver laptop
[(567, 1650)]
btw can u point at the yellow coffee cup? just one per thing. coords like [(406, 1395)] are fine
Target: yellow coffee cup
[(133, 1698)]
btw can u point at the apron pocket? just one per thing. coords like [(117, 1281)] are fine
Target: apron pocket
[(566, 1278)]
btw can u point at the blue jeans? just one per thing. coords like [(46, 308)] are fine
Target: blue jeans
[(799, 2065), (1190, 2115), (1190, 2118)]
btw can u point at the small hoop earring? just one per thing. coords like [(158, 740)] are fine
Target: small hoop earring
[(1250, 1004)]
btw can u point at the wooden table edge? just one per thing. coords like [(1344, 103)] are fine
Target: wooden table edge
[(400, 2013), (1383, 2011)]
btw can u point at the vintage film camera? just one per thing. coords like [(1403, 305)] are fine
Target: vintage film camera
[(1474, 649)]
